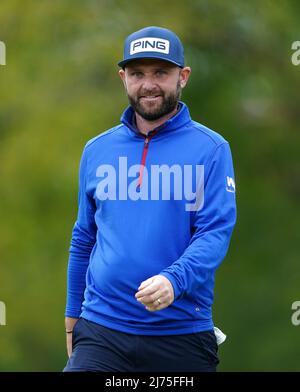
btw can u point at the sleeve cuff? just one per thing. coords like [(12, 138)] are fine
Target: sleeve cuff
[(72, 313), (177, 292)]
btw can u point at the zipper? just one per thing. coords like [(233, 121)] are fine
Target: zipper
[(143, 161)]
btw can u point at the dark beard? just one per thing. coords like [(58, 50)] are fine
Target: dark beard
[(169, 103)]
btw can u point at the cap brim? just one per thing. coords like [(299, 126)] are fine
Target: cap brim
[(125, 62)]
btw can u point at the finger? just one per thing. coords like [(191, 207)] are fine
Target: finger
[(149, 290), (150, 299), (156, 305), (145, 283)]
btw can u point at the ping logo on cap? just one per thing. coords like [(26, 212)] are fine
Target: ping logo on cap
[(150, 44)]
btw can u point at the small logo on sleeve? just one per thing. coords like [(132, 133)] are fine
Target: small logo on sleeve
[(150, 44), (230, 185)]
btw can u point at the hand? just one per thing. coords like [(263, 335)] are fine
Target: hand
[(69, 323), (155, 293), (69, 338)]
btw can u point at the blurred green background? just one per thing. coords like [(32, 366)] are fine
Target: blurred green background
[(60, 88)]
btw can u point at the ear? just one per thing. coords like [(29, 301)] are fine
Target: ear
[(123, 76), (184, 76)]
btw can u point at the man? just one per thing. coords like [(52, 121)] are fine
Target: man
[(156, 213)]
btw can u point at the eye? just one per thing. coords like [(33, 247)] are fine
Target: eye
[(161, 72), (137, 74)]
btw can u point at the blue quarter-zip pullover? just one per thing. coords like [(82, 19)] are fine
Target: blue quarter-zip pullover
[(131, 227)]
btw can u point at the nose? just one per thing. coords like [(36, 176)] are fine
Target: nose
[(149, 83)]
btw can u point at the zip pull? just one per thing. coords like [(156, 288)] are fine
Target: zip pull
[(142, 166), (146, 142)]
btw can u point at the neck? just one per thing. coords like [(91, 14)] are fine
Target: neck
[(145, 126)]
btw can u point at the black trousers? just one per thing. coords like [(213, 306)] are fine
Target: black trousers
[(100, 349)]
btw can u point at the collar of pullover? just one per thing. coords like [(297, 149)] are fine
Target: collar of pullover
[(181, 118)]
